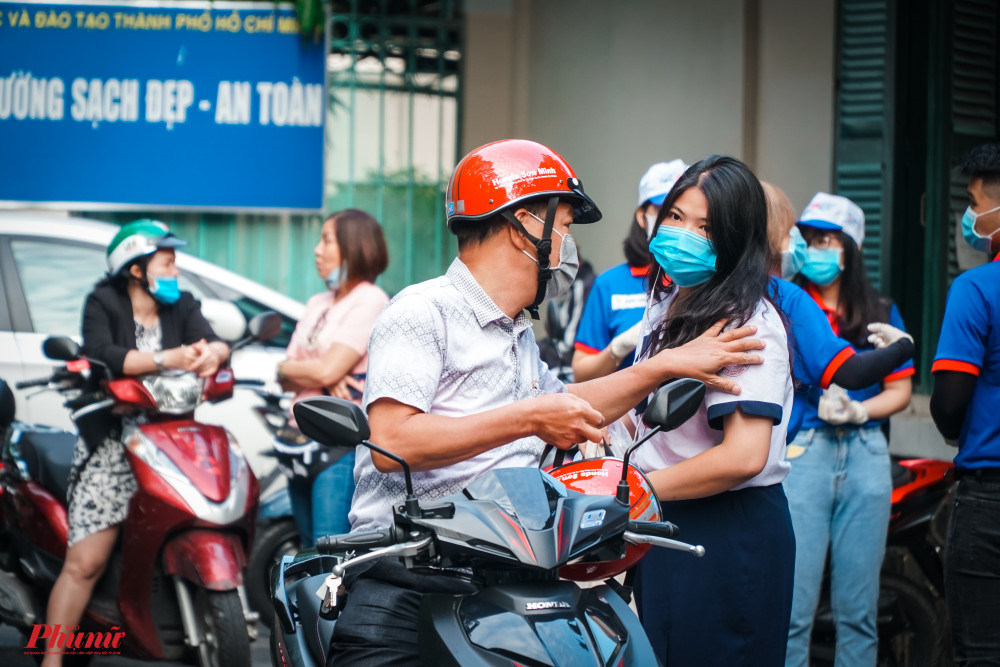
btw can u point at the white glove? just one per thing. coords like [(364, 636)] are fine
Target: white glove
[(836, 408), (625, 342), (884, 335)]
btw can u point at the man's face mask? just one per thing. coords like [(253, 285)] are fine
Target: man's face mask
[(564, 274), (972, 237)]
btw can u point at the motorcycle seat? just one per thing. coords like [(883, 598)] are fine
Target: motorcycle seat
[(48, 454)]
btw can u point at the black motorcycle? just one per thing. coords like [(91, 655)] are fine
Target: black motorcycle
[(508, 533)]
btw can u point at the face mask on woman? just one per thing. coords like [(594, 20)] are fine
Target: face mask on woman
[(972, 237), (564, 274), (793, 259), (688, 258), (822, 266), (164, 289), (336, 278)]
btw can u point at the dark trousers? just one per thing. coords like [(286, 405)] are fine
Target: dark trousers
[(378, 625), (732, 606), (972, 569)]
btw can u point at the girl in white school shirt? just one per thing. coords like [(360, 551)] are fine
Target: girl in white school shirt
[(719, 475)]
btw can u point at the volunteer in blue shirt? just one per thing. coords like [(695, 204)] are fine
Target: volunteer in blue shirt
[(839, 487), (608, 332), (820, 357), (964, 406)]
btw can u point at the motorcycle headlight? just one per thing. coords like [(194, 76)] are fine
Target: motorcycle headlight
[(175, 394), (153, 456), (237, 461)]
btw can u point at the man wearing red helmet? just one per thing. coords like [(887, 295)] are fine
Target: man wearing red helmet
[(455, 384)]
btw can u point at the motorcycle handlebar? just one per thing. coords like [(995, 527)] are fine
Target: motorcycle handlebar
[(370, 539), (653, 528), (26, 384)]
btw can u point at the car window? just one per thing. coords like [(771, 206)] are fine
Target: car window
[(57, 276)]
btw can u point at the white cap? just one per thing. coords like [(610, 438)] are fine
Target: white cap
[(655, 184), (835, 212)]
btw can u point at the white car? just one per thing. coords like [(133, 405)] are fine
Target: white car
[(48, 265)]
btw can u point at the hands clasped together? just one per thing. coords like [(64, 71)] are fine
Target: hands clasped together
[(199, 357)]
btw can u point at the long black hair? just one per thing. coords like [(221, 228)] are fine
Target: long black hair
[(636, 246), (737, 214), (859, 304)]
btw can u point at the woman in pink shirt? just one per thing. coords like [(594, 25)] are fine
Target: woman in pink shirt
[(328, 354)]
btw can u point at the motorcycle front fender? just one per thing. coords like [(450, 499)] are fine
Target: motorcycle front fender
[(207, 558)]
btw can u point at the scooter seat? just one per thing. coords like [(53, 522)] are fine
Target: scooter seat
[(48, 454)]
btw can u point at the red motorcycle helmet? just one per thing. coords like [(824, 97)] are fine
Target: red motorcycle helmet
[(600, 477), (504, 174)]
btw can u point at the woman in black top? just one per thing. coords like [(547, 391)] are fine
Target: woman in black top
[(135, 321)]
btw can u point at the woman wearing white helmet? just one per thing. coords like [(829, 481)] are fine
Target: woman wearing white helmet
[(135, 321)]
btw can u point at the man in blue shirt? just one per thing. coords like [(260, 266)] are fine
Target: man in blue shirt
[(964, 407)]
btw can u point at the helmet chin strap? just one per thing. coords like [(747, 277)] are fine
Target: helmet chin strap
[(543, 246)]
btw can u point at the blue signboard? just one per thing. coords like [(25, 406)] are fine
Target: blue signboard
[(160, 105)]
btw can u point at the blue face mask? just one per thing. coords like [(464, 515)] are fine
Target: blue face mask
[(822, 266), (793, 259), (980, 243), (164, 289), (688, 258), (335, 278)]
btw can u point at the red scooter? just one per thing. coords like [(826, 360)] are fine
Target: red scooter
[(174, 586)]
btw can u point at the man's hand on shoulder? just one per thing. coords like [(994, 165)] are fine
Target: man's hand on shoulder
[(706, 355), (564, 420)]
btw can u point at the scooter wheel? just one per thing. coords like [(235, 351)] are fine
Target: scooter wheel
[(910, 631), (271, 542), (223, 629)]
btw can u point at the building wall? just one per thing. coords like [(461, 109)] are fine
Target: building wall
[(795, 96), (615, 87)]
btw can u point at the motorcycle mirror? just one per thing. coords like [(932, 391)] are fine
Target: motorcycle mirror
[(61, 348), (672, 405), (336, 422), (265, 326), (225, 318), (330, 421)]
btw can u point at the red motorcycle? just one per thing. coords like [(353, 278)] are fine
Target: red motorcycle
[(173, 588)]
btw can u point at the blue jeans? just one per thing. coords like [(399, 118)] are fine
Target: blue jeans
[(839, 495), (320, 507), (972, 569)]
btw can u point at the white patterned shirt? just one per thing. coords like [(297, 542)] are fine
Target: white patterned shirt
[(444, 347)]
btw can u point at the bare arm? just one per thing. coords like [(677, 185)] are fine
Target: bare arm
[(894, 397), (740, 456), (701, 359), (323, 372), (591, 366), (429, 441)]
